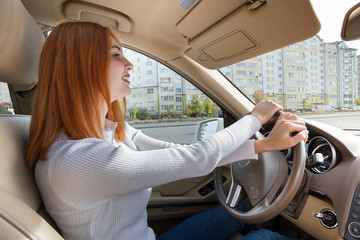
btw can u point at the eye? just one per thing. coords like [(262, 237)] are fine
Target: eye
[(116, 55)]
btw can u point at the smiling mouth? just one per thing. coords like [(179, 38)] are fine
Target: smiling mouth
[(126, 79)]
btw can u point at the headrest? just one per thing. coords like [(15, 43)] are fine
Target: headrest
[(15, 178), (21, 42)]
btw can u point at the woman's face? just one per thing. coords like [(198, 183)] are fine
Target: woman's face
[(119, 73)]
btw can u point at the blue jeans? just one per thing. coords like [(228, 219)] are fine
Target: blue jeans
[(216, 224)]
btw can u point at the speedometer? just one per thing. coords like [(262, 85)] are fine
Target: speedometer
[(320, 145)]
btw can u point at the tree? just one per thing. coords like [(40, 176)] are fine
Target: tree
[(4, 109), (258, 96), (305, 103), (133, 111), (207, 105), (171, 114), (357, 101), (187, 110), (215, 110), (142, 114), (195, 106)]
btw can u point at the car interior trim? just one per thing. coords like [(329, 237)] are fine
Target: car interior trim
[(89, 12)]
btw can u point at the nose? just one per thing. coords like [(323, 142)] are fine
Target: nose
[(129, 65)]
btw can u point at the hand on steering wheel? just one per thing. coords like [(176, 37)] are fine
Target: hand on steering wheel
[(287, 131), (261, 181)]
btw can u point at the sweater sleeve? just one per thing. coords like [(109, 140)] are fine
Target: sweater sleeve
[(145, 143), (108, 171)]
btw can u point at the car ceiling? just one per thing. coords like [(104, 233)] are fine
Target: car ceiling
[(213, 33)]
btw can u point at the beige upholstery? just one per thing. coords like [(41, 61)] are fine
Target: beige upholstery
[(21, 41), (22, 215), (20, 202)]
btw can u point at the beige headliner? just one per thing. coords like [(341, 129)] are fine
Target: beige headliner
[(158, 28)]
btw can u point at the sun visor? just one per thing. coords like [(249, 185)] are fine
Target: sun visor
[(223, 48), (247, 32), (351, 25), (196, 21), (88, 12)]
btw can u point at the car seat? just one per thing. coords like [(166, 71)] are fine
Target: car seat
[(22, 215)]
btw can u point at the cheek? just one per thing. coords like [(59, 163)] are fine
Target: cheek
[(117, 66), (111, 71), (115, 73), (112, 80)]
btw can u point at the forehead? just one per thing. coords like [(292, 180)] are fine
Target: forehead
[(115, 44)]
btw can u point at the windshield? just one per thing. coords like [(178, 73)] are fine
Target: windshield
[(316, 78)]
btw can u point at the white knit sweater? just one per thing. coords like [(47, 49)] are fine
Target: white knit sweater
[(99, 189)]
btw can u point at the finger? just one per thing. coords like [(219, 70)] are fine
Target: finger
[(284, 115), (299, 137), (288, 115), (265, 110), (298, 127), (289, 122), (292, 129), (306, 133), (292, 117), (277, 107), (280, 107)]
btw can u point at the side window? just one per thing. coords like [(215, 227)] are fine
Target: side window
[(6, 106), (163, 104)]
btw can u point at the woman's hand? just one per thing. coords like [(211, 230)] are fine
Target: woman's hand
[(281, 136), (265, 110)]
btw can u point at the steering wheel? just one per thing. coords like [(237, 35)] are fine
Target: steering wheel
[(262, 181)]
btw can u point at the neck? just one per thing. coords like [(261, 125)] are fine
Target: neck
[(104, 112)]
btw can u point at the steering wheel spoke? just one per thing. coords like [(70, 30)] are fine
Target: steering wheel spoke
[(235, 196)]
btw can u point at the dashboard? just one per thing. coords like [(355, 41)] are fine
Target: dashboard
[(321, 154), (332, 173)]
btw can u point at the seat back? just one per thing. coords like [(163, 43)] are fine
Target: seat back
[(21, 41), (22, 215)]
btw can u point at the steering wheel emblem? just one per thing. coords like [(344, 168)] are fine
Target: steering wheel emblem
[(253, 192)]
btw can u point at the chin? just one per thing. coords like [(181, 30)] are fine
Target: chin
[(127, 93)]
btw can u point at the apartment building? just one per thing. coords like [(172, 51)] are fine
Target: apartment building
[(309, 74), (155, 87), (348, 78), (306, 75)]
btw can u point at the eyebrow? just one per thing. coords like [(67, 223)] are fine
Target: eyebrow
[(117, 47)]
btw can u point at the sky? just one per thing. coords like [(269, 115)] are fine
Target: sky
[(331, 14)]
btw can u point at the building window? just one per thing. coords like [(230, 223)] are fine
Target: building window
[(165, 79)]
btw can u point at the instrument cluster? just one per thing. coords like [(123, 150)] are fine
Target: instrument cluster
[(321, 154)]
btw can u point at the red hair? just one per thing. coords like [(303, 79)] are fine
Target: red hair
[(72, 87)]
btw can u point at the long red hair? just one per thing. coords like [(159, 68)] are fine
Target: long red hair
[(72, 87)]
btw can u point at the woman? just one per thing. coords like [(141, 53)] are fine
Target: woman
[(95, 171)]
